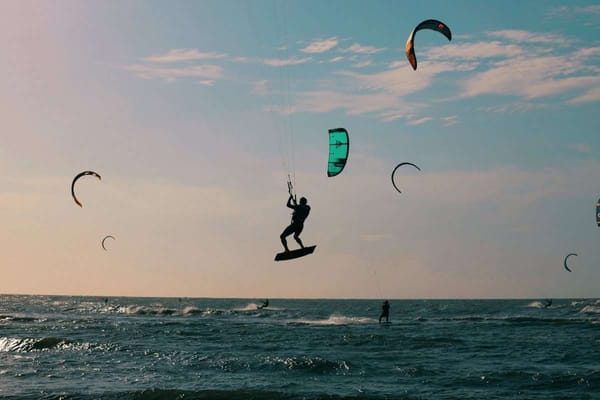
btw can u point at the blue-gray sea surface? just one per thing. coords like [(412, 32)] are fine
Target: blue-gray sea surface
[(154, 348)]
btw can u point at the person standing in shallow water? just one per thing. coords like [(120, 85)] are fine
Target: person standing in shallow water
[(385, 311), (299, 215)]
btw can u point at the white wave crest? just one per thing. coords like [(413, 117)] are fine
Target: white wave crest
[(190, 310), (535, 304), (249, 307), (590, 310), (337, 320)]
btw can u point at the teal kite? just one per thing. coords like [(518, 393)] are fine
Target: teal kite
[(338, 151)]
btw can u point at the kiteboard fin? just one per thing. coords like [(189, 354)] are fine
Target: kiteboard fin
[(290, 255)]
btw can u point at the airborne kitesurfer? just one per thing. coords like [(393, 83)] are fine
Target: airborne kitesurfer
[(299, 215)]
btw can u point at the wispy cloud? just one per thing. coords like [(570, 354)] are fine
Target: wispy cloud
[(581, 147), (320, 46), (336, 59), (587, 52), (179, 55), (515, 107), (204, 72), (522, 36), (359, 49), (419, 121), (570, 10), (589, 96), (450, 120), (530, 77), (386, 106), (474, 51), (206, 82), (280, 62), (363, 64)]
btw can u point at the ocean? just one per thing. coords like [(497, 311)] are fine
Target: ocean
[(66, 347)]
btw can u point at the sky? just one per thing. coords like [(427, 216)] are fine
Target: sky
[(195, 112)]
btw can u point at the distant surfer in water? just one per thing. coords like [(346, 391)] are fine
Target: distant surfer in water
[(548, 303), (385, 311), (300, 214), (265, 304)]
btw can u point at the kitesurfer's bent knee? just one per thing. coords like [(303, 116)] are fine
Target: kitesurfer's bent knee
[(296, 229)]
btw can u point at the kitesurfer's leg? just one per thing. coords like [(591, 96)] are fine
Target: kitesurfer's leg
[(297, 233), (286, 232), (297, 238)]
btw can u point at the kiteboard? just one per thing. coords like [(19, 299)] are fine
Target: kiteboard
[(290, 255)]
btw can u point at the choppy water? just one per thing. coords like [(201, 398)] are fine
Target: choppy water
[(154, 348)]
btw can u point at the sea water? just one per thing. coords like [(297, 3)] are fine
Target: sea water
[(154, 348)]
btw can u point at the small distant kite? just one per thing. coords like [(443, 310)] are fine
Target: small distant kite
[(394, 171), (103, 240), (565, 261), (338, 151), (598, 212), (432, 24), (84, 173)]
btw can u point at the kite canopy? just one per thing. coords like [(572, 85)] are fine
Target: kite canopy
[(565, 261), (84, 173), (394, 171), (598, 212), (106, 237), (432, 24), (338, 151)]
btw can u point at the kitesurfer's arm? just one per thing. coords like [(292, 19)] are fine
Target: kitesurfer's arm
[(291, 203)]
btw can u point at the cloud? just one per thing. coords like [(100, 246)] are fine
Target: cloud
[(514, 107), (178, 55), (593, 9), (581, 147), (530, 77), (359, 49), (588, 97), (587, 52), (321, 101), (563, 11), (399, 81), (363, 64), (381, 94), (419, 121), (150, 72), (320, 46), (279, 62), (206, 82), (474, 51), (450, 120), (522, 36), (335, 59)]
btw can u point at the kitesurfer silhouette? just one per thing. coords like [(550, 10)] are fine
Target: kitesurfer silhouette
[(299, 215), (548, 303), (385, 311)]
